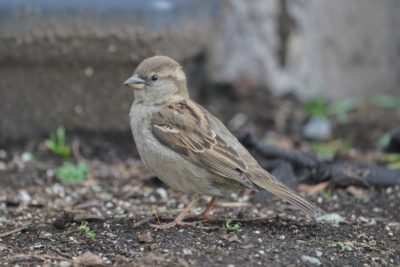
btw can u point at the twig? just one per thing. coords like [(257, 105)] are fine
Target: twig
[(141, 222), (30, 257), (234, 204), (255, 219), (19, 229), (156, 215), (221, 219)]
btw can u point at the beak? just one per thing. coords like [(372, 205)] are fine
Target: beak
[(135, 82)]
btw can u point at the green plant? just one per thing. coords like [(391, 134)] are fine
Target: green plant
[(69, 173), (329, 149), (324, 150), (57, 143), (341, 108), (325, 193), (229, 226), (361, 197), (392, 160), (343, 246), (317, 107), (385, 101), (384, 141), (84, 229)]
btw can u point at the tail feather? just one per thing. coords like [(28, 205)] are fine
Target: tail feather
[(271, 184)]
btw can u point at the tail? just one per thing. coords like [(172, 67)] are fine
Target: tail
[(268, 182)]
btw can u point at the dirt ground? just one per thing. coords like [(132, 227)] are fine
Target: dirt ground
[(43, 221)]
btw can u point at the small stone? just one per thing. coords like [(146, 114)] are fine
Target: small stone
[(88, 259), (310, 260), (187, 251), (63, 219), (318, 253), (89, 71), (317, 128), (3, 166), (145, 238), (26, 157), (24, 196), (65, 264), (162, 193), (333, 218), (282, 237), (45, 235), (233, 238)]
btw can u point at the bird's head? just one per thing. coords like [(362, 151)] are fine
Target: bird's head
[(158, 79)]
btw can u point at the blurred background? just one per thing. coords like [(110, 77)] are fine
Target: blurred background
[(63, 63)]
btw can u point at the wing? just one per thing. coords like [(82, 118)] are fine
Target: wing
[(184, 127)]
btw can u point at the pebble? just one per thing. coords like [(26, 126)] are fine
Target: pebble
[(3, 166), (88, 259), (310, 260), (333, 218), (26, 157), (238, 121), (45, 235), (317, 128), (65, 264), (145, 238), (162, 193), (187, 251), (24, 196)]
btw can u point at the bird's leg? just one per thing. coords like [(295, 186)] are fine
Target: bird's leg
[(178, 221), (211, 204)]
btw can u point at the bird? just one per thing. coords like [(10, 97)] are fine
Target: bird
[(190, 149)]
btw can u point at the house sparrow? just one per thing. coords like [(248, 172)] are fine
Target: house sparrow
[(189, 148)]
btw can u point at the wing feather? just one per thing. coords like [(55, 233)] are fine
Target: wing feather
[(184, 127)]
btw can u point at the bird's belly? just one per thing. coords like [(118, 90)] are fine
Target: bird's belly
[(178, 172)]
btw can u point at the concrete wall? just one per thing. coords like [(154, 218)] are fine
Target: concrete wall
[(61, 66), (343, 48)]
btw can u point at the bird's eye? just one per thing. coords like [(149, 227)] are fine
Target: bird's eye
[(154, 77)]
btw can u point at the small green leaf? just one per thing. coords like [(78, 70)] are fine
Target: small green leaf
[(385, 101), (69, 173), (227, 225), (343, 246), (392, 160), (325, 193), (57, 143), (91, 235), (341, 108), (384, 141), (317, 107), (84, 229)]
